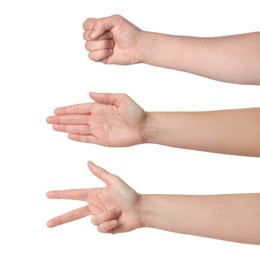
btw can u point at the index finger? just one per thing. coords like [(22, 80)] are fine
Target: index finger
[(89, 23), (79, 109), (105, 36)]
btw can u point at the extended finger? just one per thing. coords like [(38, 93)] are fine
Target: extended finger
[(106, 216), (84, 138), (78, 109), (99, 45), (69, 119), (69, 217), (71, 194), (100, 54), (73, 129), (101, 173)]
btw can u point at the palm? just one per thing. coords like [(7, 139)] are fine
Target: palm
[(118, 195), (117, 126)]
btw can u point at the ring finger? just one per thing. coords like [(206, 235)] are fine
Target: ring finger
[(99, 45), (69, 119), (73, 129)]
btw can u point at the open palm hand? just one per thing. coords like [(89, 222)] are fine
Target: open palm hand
[(112, 120)]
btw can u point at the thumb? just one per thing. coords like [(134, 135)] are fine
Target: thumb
[(102, 25), (106, 98), (100, 173)]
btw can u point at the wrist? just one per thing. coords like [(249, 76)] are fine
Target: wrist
[(143, 210), (152, 211), (143, 48), (151, 128)]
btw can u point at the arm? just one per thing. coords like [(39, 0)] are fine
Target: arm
[(236, 58), (116, 120), (228, 131), (226, 217), (118, 208)]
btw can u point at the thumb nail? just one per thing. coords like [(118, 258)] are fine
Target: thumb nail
[(92, 34)]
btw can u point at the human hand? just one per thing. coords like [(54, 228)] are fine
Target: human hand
[(112, 120), (113, 40), (116, 206)]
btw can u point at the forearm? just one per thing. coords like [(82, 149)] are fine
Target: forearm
[(226, 217), (233, 59), (225, 131)]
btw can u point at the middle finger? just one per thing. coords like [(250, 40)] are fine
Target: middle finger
[(99, 45), (69, 119)]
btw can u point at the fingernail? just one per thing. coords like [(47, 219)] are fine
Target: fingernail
[(49, 119), (49, 224), (92, 34), (50, 194), (113, 222), (56, 127)]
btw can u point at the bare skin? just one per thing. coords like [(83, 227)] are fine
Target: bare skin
[(118, 208), (116, 120), (234, 58)]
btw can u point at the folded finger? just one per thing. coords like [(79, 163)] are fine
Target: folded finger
[(99, 45), (100, 54), (99, 218), (69, 217), (105, 36), (84, 138), (89, 23), (69, 119), (73, 129), (107, 226)]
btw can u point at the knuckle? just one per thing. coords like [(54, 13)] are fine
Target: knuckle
[(98, 23), (123, 96), (89, 20), (89, 23), (74, 215), (86, 45), (118, 17), (85, 35), (115, 178), (90, 46), (92, 56)]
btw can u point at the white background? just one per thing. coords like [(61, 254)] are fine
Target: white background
[(43, 65)]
